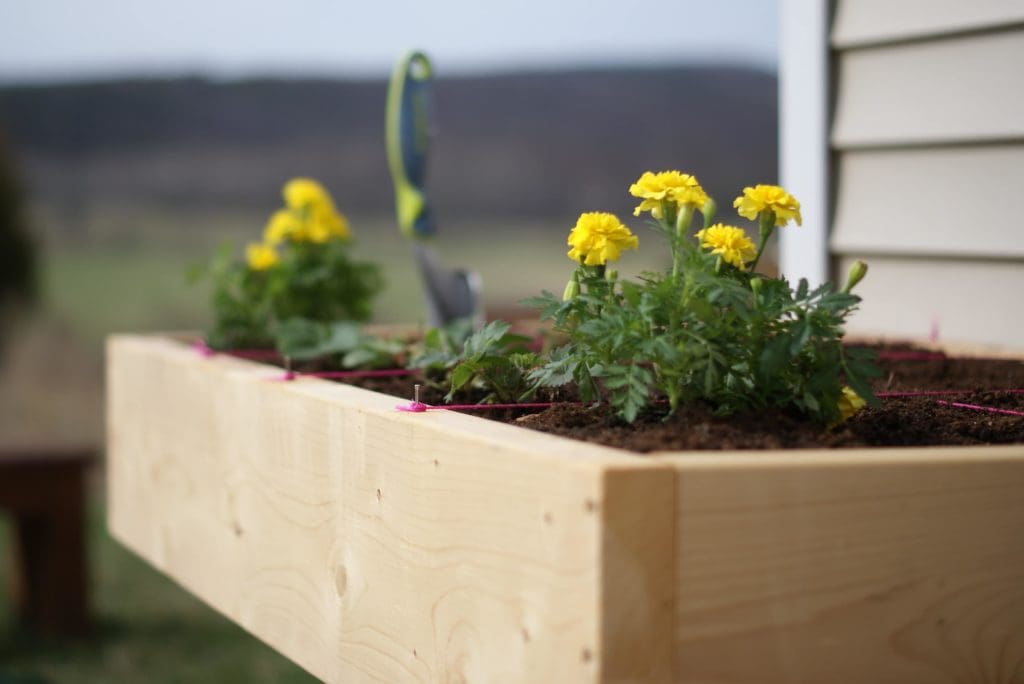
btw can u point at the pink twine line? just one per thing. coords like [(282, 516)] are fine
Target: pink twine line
[(976, 407), (420, 407), (380, 373), (939, 393)]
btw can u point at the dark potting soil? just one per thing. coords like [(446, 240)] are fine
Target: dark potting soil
[(899, 421)]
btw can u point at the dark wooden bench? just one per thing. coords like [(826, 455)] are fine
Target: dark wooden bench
[(44, 490)]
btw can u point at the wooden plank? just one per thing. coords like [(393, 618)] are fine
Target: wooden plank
[(964, 89), (637, 578), (883, 202), (969, 300), (371, 545), (851, 566), (870, 22)]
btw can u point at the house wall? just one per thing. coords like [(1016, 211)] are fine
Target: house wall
[(926, 137)]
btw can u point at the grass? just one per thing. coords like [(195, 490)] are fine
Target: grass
[(127, 274)]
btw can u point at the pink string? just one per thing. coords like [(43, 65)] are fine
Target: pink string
[(379, 373), (939, 393), (420, 407), (976, 407), (202, 348)]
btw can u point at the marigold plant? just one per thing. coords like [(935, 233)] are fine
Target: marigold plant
[(301, 271), (710, 328)]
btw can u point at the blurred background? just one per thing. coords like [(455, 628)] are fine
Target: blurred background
[(135, 138)]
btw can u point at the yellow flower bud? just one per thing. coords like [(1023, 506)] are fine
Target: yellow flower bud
[(849, 403)]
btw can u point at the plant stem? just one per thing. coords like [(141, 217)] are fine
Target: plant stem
[(767, 225), (683, 219)]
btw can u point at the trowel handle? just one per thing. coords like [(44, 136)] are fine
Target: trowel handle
[(407, 137)]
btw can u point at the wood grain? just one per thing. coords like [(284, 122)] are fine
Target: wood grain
[(371, 545), (853, 566)]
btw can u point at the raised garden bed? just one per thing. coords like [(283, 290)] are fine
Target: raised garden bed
[(369, 544)]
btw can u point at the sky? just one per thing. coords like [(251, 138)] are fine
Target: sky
[(51, 40)]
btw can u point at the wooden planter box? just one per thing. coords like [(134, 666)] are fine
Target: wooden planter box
[(372, 545)]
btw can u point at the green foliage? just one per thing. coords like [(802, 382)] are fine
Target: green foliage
[(341, 342), (241, 305), (491, 358), (316, 282), (441, 347), (705, 331)]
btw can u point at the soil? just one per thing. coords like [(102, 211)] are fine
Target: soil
[(899, 421)]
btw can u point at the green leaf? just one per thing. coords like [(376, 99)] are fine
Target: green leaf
[(800, 337), (461, 375), (361, 357)]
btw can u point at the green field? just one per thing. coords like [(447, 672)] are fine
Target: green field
[(124, 271)]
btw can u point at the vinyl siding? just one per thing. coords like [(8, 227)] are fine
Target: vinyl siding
[(927, 144), (965, 88), (866, 22), (934, 201), (967, 300)]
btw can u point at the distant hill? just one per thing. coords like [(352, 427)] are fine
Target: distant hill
[(529, 144)]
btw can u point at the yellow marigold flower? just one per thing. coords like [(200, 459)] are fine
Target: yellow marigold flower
[(849, 403), (729, 242), (598, 238), (261, 256), (675, 186), (768, 198), (302, 193), (283, 225), (313, 207), (324, 225)]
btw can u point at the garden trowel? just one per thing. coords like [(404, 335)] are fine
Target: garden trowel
[(450, 294)]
